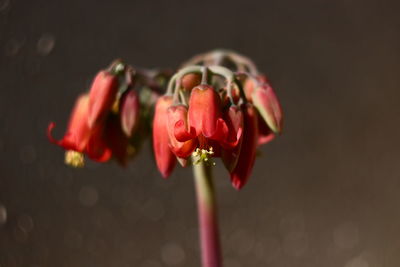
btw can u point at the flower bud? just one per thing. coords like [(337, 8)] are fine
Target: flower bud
[(129, 112), (191, 80), (101, 96), (249, 86), (265, 100)]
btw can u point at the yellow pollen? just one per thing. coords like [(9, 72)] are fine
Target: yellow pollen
[(203, 155), (74, 159), (115, 107)]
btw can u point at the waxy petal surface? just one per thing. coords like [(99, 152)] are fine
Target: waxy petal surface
[(204, 110)]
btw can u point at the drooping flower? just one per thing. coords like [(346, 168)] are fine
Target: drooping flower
[(165, 159), (205, 114), (80, 138), (241, 173)]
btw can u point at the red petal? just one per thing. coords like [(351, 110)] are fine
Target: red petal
[(233, 144), (234, 121), (97, 148), (177, 117), (116, 140)]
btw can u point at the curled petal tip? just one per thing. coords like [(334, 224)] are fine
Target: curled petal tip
[(49, 135)]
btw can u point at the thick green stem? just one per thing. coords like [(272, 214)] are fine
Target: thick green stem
[(208, 219)]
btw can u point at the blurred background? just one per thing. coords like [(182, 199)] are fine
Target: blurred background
[(324, 194)]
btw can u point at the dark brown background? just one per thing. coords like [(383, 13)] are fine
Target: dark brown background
[(324, 194)]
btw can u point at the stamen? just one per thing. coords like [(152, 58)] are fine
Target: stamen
[(74, 159), (203, 155)]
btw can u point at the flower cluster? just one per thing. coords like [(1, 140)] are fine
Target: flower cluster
[(211, 111), (109, 121), (216, 105)]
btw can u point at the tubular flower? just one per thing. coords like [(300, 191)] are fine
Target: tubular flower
[(205, 114), (241, 173), (165, 159), (80, 138)]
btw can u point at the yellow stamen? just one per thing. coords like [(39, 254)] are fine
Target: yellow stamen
[(74, 159), (203, 155)]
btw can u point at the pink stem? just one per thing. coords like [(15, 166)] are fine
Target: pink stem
[(208, 219)]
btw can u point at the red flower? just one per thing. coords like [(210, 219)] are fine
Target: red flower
[(205, 114), (241, 173), (165, 159), (80, 137)]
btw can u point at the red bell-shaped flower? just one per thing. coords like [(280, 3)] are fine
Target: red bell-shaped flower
[(165, 159), (78, 132), (101, 96), (241, 173), (80, 138), (205, 113)]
